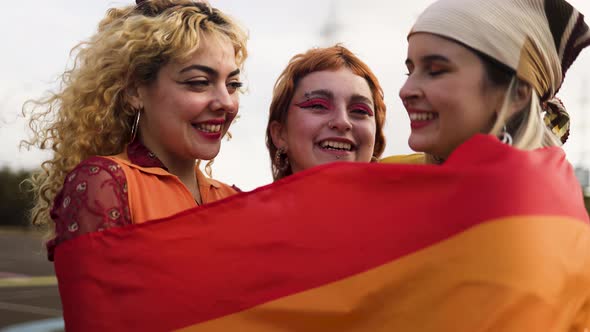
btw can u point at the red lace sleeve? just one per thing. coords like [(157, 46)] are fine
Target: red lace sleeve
[(93, 198)]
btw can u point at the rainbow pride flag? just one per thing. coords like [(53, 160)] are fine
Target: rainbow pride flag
[(495, 239)]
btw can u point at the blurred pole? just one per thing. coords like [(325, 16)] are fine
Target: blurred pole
[(331, 30), (582, 169)]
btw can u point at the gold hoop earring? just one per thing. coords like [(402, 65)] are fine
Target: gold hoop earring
[(281, 161), (135, 126)]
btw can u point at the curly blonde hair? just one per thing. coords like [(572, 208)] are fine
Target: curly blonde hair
[(91, 114)]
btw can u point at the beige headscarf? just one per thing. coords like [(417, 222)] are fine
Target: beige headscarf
[(539, 39)]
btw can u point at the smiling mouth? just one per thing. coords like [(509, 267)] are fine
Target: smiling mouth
[(423, 116), (336, 146), (208, 128)]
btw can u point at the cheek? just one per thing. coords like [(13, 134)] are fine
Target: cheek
[(233, 110), (453, 106), (301, 126), (472, 106), (447, 91), (236, 99), (493, 100), (188, 109), (230, 117), (442, 100), (366, 131)]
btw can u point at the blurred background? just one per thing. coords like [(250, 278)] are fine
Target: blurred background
[(38, 36)]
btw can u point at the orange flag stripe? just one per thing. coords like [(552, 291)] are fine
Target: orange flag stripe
[(514, 283)]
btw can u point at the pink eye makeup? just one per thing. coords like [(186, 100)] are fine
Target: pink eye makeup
[(362, 108), (315, 103)]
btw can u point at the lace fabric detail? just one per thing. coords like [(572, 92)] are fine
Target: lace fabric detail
[(93, 198), (140, 155)]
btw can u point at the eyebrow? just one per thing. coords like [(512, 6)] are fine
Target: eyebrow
[(430, 58), (356, 98), (208, 70), (361, 99), (322, 93)]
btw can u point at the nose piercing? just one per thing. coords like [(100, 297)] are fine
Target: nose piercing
[(330, 124)]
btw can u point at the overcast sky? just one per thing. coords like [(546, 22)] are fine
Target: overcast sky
[(38, 35)]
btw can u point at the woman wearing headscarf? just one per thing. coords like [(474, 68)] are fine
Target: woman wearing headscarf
[(492, 68)]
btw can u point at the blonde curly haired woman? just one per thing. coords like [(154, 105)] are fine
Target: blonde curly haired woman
[(151, 93)]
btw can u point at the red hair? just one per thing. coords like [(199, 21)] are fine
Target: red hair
[(320, 59)]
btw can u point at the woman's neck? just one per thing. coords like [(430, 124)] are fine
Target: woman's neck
[(186, 174), (434, 160), (184, 169)]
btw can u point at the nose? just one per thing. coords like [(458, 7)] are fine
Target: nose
[(223, 100), (409, 91), (340, 120)]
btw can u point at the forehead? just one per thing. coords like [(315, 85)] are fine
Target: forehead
[(424, 44), (214, 52), (342, 83)]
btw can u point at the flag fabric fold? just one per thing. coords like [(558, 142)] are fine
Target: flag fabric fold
[(496, 239)]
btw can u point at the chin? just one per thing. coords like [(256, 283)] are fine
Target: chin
[(206, 155), (418, 145)]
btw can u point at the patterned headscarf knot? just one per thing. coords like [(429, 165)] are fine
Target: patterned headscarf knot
[(557, 119)]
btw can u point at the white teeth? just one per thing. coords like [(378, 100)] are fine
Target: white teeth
[(336, 145), (209, 128), (422, 116)]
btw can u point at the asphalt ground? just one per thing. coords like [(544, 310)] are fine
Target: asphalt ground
[(29, 297)]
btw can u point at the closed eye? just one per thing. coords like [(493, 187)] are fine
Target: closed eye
[(197, 83), (409, 66), (435, 69), (436, 72), (362, 109), (233, 86), (315, 103)]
